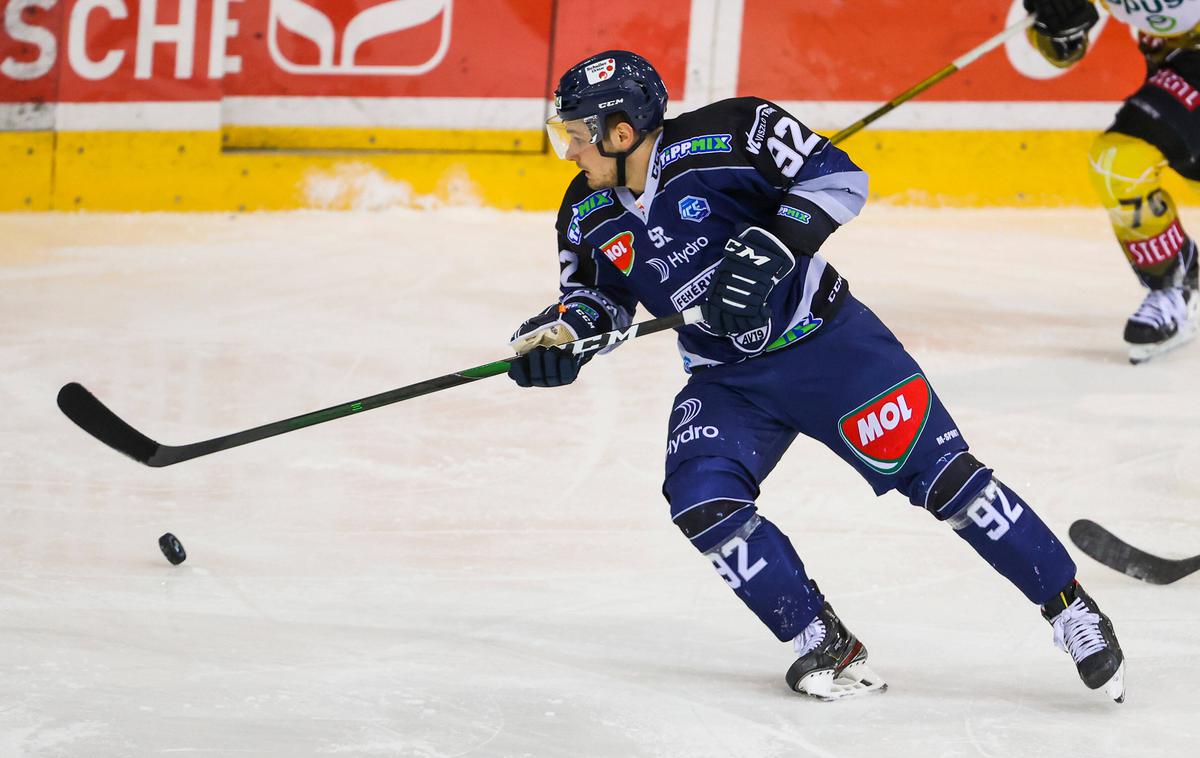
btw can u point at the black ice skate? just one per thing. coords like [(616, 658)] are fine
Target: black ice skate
[(1166, 318), (1081, 629), (832, 663)]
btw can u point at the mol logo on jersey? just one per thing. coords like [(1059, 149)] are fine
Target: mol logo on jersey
[(883, 431), (619, 250)]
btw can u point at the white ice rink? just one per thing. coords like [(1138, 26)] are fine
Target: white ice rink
[(491, 571)]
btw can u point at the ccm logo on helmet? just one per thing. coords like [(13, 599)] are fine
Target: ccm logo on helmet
[(611, 103)]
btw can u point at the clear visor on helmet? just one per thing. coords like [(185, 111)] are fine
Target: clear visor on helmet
[(572, 136)]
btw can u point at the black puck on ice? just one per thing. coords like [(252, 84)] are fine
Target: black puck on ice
[(172, 548)]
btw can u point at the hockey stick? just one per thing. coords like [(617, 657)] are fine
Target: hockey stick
[(96, 419), (1112, 551), (956, 65)]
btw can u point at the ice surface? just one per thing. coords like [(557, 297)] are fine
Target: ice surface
[(492, 572)]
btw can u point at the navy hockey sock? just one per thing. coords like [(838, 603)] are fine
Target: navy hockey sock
[(1006, 532), (761, 566)]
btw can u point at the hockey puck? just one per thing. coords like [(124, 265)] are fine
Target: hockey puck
[(172, 548)]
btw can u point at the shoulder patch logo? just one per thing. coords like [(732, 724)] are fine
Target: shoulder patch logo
[(574, 234), (795, 214), (619, 250), (758, 130), (704, 143), (692, 208), (883, 431), (591, 203)]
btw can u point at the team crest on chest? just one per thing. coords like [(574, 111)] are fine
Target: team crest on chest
[(883, 431), (692, 208)]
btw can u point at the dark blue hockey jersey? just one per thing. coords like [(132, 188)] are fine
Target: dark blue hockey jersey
[(716, 170)]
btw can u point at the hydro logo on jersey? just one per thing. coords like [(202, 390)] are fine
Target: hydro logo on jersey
[(677, 258), (685, 431), (619, 250), (883, 431)]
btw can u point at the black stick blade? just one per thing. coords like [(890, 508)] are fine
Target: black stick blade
[(1112, 551), (93, 417)]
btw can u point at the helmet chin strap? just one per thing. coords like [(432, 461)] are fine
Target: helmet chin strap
[(620, 157)]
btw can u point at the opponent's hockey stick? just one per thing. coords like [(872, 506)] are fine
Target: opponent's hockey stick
[(1112, 551), (956, 65), (96, 419)]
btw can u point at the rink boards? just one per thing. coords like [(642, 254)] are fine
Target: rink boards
[(232, 105)]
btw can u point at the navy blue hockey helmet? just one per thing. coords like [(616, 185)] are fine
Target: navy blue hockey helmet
[(615, 81)]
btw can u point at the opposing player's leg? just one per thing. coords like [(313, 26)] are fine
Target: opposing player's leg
[(720, 447), (885, 420), (1152, 130)]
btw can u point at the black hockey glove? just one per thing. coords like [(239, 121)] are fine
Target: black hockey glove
[(1065, 23), (539, 363), (752, 265), (1062, 18), (545, 367)]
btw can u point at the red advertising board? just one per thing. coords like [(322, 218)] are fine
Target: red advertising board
[(483, 56), (874, 49)]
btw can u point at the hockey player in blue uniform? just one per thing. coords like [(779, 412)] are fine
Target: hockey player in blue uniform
[(727, 206)]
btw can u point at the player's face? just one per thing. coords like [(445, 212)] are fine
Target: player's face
[(600, 171)]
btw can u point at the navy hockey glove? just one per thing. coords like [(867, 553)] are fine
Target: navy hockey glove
[(539, 363), (752, 265), (1065, 23), (545, 367)]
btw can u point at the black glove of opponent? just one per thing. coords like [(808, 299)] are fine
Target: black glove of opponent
[(1062, 18)]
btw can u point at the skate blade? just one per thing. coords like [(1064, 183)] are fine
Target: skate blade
[(1141, 353), (1115, 686), (856, 680)]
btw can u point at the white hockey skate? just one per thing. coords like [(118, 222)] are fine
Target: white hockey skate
[(832, 663), (1166, 319)]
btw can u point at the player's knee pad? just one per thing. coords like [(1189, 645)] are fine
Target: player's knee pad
[(711, 499), (1127, 175), (946, 487)]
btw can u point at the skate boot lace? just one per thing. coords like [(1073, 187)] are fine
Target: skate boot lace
[(812, 636), (1165, 306), (1077, 631)]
